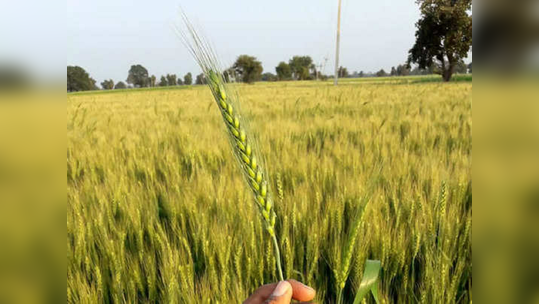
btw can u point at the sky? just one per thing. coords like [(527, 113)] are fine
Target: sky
[(106, 37)]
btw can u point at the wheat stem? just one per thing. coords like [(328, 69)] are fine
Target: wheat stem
[(277, 257), (241, 141)]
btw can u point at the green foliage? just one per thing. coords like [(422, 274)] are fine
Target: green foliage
[(381, 73), (172, 79), (403, 70), (138, 76), (188, 79), (120, 85), (300, 66), (343, 72), (461, 67), (163, 82), (153, 81), (283, 70), (248, 68), (201, 79), (107, 84), (269, 77), (443, 36), (79, 80), (369, 281)]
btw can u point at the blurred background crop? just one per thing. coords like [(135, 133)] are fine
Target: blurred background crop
[(32, 152), (506, 150)]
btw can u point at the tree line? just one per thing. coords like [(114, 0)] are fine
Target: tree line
[(443, 39), (246, 69)]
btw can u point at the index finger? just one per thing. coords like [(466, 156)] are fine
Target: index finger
[(301, 292)]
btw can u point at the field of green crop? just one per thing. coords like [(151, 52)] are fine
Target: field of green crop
[(158, 211)]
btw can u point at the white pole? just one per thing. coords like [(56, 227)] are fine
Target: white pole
[(336, 79)]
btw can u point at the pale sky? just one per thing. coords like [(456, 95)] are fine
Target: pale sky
[(107, 36)]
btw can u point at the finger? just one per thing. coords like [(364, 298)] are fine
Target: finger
[(282, 294), (302, 292), (261, 294)]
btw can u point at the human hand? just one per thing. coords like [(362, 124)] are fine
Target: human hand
[(281, 293)]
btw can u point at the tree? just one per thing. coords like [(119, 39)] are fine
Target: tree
[(343, 72), (283, 71), (269, 77), (461, 67), (381, 73), (470, 68), (403, 70), (180, 82), (393, 71), (188, 79), (107, 84), (229, 75), (443, 36), (300, 65), (314, 72), (79, 80), (361, 74), (201, 79), (171, 79), (163, 82), (120, 85), (248, 68), (153, 80), (138, 76)]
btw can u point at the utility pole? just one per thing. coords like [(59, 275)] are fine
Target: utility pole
[(336, 79)]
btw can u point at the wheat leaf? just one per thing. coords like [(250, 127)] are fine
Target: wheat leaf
[(369, 282)]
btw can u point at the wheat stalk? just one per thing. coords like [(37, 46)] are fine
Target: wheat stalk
[(241, 140)]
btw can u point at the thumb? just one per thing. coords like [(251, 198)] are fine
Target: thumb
[(281, 295)]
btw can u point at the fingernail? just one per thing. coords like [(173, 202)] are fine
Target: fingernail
[(281, 289), (308, 287)]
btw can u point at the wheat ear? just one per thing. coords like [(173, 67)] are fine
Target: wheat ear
[(242, 143)]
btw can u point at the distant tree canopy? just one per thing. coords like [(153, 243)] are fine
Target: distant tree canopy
[(381, 73), (343, 72), (153, 81), (269, 77), (470, 68), (107, 84), (163, 81), (461, 67), (171, 79), (138, 76), (283, 71), (120, 85), (180, 81), (188, 79), (443, 36), (248, 68), (403, 70), (229, 75), (201, 79), (79, 80), (300, 67)]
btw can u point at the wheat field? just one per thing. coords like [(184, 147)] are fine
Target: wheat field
[(158, 212)]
